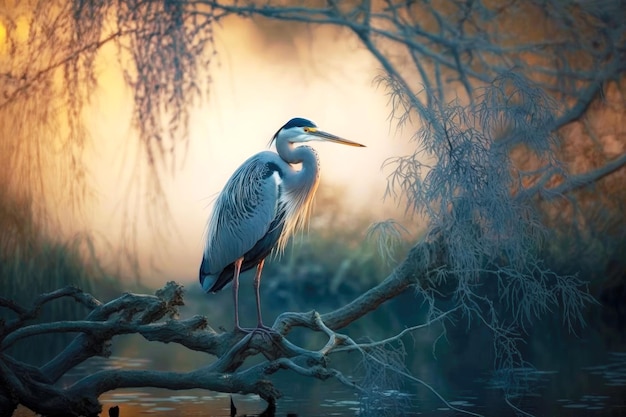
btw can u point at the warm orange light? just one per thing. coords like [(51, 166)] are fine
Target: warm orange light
[(22, 26), (3, 37), (19, 32)]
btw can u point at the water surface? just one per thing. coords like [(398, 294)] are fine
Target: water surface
[(541, 393)]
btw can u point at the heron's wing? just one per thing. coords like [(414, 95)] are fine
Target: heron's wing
[(243, 212)]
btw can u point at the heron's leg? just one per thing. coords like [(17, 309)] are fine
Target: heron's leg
[(257, 285), (238, 263)]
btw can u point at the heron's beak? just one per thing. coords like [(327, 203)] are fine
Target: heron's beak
[(332, 138)]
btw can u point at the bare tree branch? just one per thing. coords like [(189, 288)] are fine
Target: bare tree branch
[(585, 179)]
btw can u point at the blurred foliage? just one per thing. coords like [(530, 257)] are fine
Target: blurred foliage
[(32, 262)]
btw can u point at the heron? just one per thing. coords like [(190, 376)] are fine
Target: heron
[(263, 203)]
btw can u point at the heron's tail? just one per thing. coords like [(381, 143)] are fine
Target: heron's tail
[(207, 280)]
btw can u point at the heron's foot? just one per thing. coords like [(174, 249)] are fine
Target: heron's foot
[(267, 333), (263, 328)]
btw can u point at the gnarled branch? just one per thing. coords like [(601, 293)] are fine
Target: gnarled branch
[(155, 317)]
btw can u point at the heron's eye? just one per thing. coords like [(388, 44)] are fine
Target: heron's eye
[(306, 129)]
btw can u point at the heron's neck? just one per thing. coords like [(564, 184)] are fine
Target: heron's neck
[(304, 155), (299, 186)]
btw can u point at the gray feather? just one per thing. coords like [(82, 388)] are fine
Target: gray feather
[(243, 213)]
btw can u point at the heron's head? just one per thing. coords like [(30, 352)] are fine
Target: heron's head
[(299, 130)]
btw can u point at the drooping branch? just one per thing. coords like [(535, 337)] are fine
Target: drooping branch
[(10, 97)]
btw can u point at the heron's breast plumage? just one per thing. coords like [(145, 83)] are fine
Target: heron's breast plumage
[(297, 192)]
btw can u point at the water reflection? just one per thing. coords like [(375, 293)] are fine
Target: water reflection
[(614, 373)]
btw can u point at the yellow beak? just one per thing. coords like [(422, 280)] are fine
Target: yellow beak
[(332, 138)]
